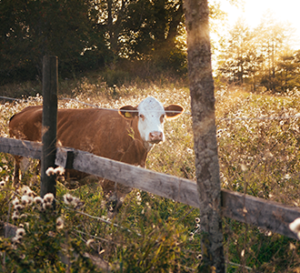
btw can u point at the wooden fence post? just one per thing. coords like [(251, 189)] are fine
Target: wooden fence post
[(204, 128), (49, 123)]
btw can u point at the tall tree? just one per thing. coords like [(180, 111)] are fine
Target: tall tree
[(239, 60), (204, 128), (35, 28), (271, 36)]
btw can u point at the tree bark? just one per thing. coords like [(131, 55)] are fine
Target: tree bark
[(205, 142)]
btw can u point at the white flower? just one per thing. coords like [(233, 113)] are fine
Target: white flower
[(2, 184), (18, 207), (16, 239), (47, 205), (50, 171), (59, 223), (295, 227), (59, 170), (48, 198), (16, 201), (38, 200), (20, 232), (25, 200), (68, 198), (15, 216), (25, 190)]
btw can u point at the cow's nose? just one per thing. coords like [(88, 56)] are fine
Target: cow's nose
[(155, 136)]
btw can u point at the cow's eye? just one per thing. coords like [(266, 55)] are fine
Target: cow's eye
[(142, 116), (162, 118)]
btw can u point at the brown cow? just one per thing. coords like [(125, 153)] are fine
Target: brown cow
[(127, 135)]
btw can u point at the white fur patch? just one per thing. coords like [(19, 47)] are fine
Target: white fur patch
[(150, 112)]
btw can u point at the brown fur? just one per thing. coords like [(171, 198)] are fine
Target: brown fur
[(101, 132)]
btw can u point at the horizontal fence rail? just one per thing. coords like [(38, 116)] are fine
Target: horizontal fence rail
[(262, 213)]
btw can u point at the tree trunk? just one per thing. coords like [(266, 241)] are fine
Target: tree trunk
[(205, 142)]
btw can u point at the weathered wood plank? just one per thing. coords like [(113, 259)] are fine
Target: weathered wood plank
[(49, 123), (244, 208), (181, 190), (262, 213), (21, 147)]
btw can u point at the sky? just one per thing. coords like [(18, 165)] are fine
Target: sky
[(254, 10)]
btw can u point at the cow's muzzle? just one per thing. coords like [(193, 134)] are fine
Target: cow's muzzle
[(155, 137)]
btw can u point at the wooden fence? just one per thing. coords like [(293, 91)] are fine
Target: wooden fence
[(244, 208)]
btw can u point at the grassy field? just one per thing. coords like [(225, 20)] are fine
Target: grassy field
[(259, 155)]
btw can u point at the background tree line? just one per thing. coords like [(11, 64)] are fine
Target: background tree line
[(90, 34), (140, 38), (260, 58)]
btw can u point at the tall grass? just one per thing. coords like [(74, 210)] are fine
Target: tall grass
[(259, 157)]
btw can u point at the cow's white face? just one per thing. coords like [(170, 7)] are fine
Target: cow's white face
[(151, 120), (151, 115)]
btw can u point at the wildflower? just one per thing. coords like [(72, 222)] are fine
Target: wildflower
[(68, 198), (16, 240), (24, 215), (47, 205), (25, 200), (50, 171), (16, 201), (25, 190), (48, 198), (38, 200), (138, 198), (20, 232), (30, 194), (18, 207), (2, 184), (59, 223), (59, 170), (295, 227), (15, 216), (197, 220), (89, 242)]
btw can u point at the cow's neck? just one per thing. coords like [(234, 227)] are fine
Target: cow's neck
[(148, 146)]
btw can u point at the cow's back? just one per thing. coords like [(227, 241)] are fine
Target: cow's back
[(99, 131), (27, 124)]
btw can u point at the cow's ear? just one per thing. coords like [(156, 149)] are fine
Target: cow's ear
[(128, 112), (173, 111)]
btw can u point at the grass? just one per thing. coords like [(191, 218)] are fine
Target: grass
[(257, 156)]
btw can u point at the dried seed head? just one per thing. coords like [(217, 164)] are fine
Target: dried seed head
[(48, 198), (38, 200), (16, 240), (295, 227), (68, 198), (18, 207), (89, 242), (15, 216), (25, 200), (59, 223), (16, 201), (25, 190), (20, 232), (59, 170), (50, 171), (47, 205)]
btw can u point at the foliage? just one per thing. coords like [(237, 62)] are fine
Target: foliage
[(260, 58), (149, 36), (259, 157)]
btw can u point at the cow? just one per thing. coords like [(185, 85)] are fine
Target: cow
[(126, 135)]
